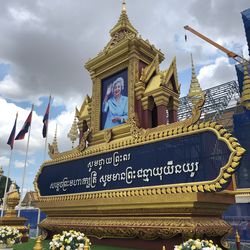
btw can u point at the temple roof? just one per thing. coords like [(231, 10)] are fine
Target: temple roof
[(84, 110), (163, 78), (123, 23), (122, 32)]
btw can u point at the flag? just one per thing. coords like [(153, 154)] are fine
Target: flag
[(12, 135), (25, 127), (46, 120)]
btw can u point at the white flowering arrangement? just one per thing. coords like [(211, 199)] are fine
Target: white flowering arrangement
[(197, 244), (9, 236), (69, 240)]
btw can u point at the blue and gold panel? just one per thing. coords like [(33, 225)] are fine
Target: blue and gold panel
[(192, 158)]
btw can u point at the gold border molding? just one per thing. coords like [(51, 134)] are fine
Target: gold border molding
[(149, 228)]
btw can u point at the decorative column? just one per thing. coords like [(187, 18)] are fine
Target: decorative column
[(161, 101)]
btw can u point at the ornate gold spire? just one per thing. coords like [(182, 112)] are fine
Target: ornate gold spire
[(123, 24), (73, 133), (195, 90), (53, 148), (245, 96), (54, 143)]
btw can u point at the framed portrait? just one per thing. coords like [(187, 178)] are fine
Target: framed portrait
[(114, 99)]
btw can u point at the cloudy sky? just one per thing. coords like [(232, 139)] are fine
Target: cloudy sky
[(45, 43)]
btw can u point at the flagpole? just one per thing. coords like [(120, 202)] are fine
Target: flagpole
[(45, 146), (44, 158), (38, 221), (46, 138), (24, 169), (10, 142), (6, 185)]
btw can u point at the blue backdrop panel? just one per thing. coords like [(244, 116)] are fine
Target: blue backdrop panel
[(242, 133), (31, 216), (192, 158)]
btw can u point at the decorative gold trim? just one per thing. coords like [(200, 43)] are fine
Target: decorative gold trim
[(241, 192), (133, 123), (96, 104), (133, 75), (148, 228), (107, 135), (84, 140), (153, 67)]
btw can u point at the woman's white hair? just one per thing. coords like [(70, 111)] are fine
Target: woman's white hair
[(120, 81)]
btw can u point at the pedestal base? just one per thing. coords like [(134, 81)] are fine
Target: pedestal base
[(167, 220), (145, 232), (18, 223)]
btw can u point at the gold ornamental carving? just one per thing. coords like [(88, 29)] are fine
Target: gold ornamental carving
[(84, 140), (107, 135), (142, 228), (133, 123)]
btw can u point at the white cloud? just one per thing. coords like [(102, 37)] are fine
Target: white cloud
[(8, 87), (4, 162), (245, 51), (22, 15), (20, 164), (220, 71)]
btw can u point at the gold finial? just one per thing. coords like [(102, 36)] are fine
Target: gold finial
[(245, 96), (123, 24), (237, 236), (38, 245), (87, 244), (73, 133), (237, 240), (123, 5), (163, 248), (195, 91)]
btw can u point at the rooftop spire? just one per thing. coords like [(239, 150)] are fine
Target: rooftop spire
[(195, 90), (245, 97), (73, 133), (124, 6), (54, 143), (123, 23)]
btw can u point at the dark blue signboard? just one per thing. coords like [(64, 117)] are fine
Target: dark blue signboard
[(187, 159)]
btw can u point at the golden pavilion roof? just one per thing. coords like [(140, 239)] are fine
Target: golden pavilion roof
[(163, 78), (122, 32), (84, 110)]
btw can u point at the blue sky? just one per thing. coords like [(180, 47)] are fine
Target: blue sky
[(46, 43)]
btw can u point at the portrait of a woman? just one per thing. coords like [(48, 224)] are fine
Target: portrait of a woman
[(115, 104)]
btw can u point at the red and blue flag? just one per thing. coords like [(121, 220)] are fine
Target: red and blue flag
[(12, 135), (25, 127)]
